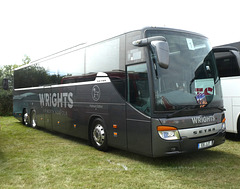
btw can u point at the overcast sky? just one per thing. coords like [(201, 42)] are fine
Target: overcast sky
[(41, 27)]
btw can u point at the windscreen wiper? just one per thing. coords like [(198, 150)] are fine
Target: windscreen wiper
[(221, 108), (182, 109), (189, 108)]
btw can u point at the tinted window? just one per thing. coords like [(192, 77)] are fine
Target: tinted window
[(52, 71), (80, 65), (227, 65), (71, 64), (34, 76), (134, 54), (138, 88), (103, 56)]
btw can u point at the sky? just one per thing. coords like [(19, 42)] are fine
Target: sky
[(38, 28)]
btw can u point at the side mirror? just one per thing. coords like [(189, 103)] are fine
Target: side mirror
[(5, 84), (161, 49)]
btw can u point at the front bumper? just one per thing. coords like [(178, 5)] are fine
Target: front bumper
[(163, 148)]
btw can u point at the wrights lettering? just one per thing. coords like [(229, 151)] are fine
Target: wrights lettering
[(56, 100), (204, 119)]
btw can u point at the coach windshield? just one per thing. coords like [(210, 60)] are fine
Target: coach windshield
[(191, 80)]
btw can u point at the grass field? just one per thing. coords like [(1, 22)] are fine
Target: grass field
[(31, 158)]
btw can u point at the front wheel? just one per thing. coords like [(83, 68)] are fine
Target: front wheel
[(99, 135)]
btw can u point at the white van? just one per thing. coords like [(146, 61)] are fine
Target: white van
[(228, 63)]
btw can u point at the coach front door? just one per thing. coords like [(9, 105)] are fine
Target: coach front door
[(138, 110)]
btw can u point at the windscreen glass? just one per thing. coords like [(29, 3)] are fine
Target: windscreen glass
[(191, 79)]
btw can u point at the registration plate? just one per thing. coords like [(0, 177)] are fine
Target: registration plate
[(205, 144)]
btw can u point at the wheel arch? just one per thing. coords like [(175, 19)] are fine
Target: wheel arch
[(90, 122)]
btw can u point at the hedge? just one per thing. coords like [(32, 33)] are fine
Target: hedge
[(6, 103)]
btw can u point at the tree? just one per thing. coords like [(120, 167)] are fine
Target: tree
[(6, 72), (26, 60)]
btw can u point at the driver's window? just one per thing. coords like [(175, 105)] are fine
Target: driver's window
[(138, 88)]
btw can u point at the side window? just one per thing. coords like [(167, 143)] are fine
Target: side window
[(228, 67), (34, 76), (71, 64), (138, 88), (134, 54), (103, 56)]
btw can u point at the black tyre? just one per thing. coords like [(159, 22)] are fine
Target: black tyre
[(98, 135), (25, 117), (238, 129), (33, 122)]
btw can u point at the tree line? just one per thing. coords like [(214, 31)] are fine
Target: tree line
[(6, 96)]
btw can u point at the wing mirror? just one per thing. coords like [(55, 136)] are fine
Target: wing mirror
[(160, 48), (162, 53)]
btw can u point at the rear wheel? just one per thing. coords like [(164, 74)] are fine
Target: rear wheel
[(99, 135), (25, 117), (33, 122), (238, 128)]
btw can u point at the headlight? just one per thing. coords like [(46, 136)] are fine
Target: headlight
[(168, 133)]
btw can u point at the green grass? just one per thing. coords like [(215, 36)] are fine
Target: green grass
[(31, 158)]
